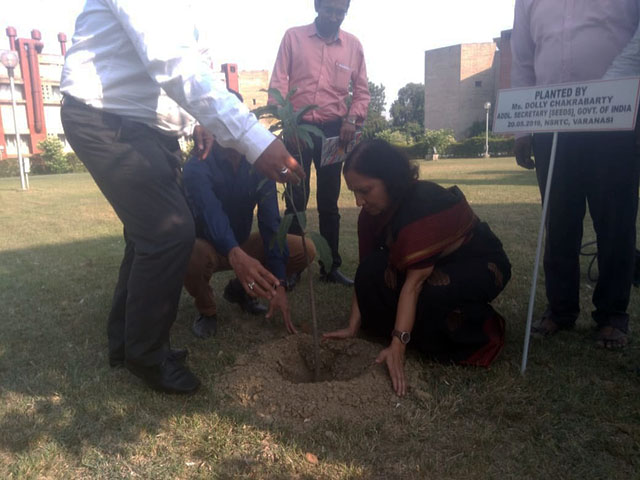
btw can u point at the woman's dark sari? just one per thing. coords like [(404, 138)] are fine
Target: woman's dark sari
[(454, 322)]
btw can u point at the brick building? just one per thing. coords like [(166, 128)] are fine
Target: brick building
[(460, 79)]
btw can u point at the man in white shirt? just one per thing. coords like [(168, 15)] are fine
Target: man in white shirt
[(126, 55)]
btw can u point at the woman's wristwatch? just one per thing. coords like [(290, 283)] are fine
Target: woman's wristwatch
[(405, 337)]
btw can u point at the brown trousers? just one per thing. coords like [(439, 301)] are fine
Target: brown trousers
[(205, 261)]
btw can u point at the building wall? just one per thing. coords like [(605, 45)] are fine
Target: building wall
[(477, 84), (442, 87), (50, 69), (459, 80), (253, 85), (504, 71)]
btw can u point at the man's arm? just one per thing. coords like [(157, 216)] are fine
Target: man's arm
[(627, 63), (523, 48), (522, 72), (198, 182), (269, 224), (360, 101), (177, 65), (281, 68), (361, 95), (207, 207)]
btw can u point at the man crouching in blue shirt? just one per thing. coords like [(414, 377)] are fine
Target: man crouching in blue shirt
[(223, 191)]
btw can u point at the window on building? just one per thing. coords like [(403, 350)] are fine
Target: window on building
[(478, 83)]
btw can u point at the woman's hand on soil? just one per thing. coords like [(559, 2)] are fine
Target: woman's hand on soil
[(393, 357)]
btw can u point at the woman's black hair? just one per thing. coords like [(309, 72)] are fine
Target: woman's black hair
[(379, 159)]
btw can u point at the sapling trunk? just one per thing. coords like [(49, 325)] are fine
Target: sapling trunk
[(289, 124), (312, 298)]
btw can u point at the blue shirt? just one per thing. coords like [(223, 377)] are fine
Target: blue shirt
[(222, 202)]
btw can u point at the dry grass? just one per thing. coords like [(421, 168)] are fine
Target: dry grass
[(65, 414)]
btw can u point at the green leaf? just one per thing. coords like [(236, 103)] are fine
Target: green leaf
[(301, 113), (322, 248), (302, 219), (286, 113), (275, 93), (291, 93), (262, 183), (304, 136), (313, 130), (281, 236)]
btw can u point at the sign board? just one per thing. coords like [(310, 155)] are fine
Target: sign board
[(598, 105)]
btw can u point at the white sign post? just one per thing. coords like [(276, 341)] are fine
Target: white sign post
[(603, 105)]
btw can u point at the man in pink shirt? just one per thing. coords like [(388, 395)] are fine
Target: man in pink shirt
[(320, 60), (557, 41)]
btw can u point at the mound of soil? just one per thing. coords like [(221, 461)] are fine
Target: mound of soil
[(277, 381)]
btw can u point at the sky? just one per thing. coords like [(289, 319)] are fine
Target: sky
[(394, 33)]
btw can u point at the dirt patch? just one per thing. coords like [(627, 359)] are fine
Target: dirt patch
[(277, 381)]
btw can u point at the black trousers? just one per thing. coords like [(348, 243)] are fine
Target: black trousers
[(137, 170), (328, 180), (452, 321), (599, 170)]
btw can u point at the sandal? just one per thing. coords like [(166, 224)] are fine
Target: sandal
[(611, 338), (545, 327)]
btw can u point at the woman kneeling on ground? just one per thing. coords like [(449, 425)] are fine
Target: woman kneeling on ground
[(428, 266)]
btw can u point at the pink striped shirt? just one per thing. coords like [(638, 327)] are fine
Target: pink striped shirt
[(321, 73)]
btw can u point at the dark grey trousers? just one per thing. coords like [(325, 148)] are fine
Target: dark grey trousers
[(599, 170), (138, 171), (328, 181)]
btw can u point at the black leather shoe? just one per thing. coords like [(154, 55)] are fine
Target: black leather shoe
[(292, 281), (179, 355), (205, 326), (336, 276), (171, 376), (234, 293)]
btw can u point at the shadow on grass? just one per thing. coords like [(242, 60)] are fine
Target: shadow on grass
[(57, 386)]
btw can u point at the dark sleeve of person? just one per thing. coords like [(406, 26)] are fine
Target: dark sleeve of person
[(207, 208), (268, 224)]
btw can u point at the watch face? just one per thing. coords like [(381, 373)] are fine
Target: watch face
[(404, 337)]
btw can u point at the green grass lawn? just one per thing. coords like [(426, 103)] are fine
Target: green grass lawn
[(65, 414)]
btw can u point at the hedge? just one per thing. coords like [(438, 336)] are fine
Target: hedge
[(39, 166), (474, 147), (471, 147)]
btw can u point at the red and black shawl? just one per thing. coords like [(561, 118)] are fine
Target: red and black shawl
[(427, 221)]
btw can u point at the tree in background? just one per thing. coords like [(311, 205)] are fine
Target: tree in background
[(409, 106), (478, 128), (375, 121), (378, 99), (413, 132)]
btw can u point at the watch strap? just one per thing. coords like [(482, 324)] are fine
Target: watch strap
[(404, 337)]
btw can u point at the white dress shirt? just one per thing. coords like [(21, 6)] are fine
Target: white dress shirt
[(127, 53)]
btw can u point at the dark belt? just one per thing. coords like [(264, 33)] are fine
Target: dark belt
[(331, 123), (124, 123)]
